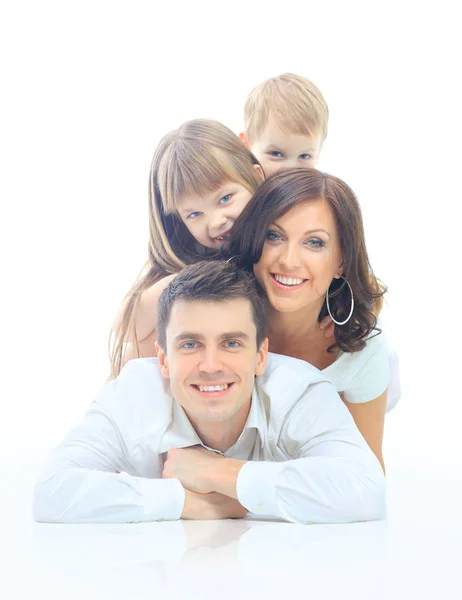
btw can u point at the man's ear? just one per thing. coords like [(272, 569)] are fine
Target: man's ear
[(243, 137), (259, 170), (163, 362), (262, 358)]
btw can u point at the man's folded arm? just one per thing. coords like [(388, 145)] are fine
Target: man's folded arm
[(85, 482), (334, 477)]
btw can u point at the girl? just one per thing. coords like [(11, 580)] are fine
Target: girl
[(202, 177)]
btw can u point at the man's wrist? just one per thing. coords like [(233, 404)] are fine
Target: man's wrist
[(223, 476)]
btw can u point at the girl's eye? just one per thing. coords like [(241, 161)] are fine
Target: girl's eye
[(233, 344), (189, 345), (275, 154), (315, 243), (194, 215), (305, 156), (273, 236), (225, 199)]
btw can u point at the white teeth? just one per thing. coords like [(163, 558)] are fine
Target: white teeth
[(288, 280), (213, 388)]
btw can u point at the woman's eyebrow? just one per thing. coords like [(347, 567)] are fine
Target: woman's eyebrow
[(317, 230)]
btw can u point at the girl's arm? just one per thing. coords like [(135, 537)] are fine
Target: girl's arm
[(145, 319), (370, 418)]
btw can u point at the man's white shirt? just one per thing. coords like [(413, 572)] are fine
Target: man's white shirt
[(307, 461)]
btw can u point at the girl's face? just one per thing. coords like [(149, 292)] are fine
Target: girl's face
[(210, 217), (301, 256)]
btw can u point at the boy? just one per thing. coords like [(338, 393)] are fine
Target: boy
[(285, 123)]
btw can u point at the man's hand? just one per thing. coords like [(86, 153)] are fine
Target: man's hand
[(203, 471), (211, 506), (193, 467)]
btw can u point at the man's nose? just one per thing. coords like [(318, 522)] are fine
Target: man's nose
[(211, 361)]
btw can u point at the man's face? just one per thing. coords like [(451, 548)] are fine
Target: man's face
[(212, 358), (277, 150)]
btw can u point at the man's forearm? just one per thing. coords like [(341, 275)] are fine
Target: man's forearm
[(223, 476)]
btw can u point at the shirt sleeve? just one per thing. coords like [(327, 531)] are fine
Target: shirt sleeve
[(332, 477), (86, 480), (371, 372)]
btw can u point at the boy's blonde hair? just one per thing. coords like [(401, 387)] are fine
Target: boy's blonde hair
[(293, 102), (196, 158)]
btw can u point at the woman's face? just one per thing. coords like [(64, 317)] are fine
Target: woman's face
[(210, 217), (301, 256)]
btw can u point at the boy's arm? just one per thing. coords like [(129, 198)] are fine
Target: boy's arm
[(85, 480)]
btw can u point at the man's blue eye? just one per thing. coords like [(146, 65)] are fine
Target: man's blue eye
[(305, 156), (193, 215), (233, 344), (272, 236), (225, 199), (276, 154), (189, 345)]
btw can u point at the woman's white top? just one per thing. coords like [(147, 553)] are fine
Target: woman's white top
[(364, 375)]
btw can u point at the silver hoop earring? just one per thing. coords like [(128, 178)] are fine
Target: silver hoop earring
[(351, 309)]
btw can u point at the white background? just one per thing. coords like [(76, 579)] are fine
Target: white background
[(88, 89)]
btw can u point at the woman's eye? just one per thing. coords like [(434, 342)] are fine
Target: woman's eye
[(194, 215), (275, 154), (305, 156), (233, 344), (316, 243), (225, 199), (273, 236)]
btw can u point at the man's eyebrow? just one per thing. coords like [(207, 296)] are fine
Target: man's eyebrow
[(187, 336), (191, 335), (318, 230), (234, 334)]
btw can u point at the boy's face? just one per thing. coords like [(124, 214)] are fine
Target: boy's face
[(277, 150), (212, 358)]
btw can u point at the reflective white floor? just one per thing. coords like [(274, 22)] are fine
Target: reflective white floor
[(416, 553)]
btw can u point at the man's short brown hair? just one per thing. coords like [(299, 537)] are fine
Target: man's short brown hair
[(211, 281)]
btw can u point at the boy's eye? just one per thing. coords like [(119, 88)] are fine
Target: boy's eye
[(275, 154), (315, 243), (305, 156), (273, 236), (225, 199), (233, 344), (194, 215)]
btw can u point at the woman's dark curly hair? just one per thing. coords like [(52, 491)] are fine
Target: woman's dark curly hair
[(276, 197)]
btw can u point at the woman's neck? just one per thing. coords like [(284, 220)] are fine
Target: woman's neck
[(300, 336), (292, 326)]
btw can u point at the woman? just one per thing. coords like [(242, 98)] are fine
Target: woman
[(302, 236)]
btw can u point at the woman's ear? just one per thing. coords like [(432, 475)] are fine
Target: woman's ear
[(339, 271), (243, 137), (259, 170)]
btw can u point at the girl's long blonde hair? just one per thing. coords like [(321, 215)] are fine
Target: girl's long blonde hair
[(195, 159)]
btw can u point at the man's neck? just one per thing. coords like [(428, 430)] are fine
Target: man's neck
[(221, 435)]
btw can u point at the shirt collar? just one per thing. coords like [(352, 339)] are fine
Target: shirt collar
[(181, 434)]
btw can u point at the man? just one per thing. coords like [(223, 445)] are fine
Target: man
[(214, 427)]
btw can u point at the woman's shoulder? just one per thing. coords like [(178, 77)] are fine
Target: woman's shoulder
[(362, 375)]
